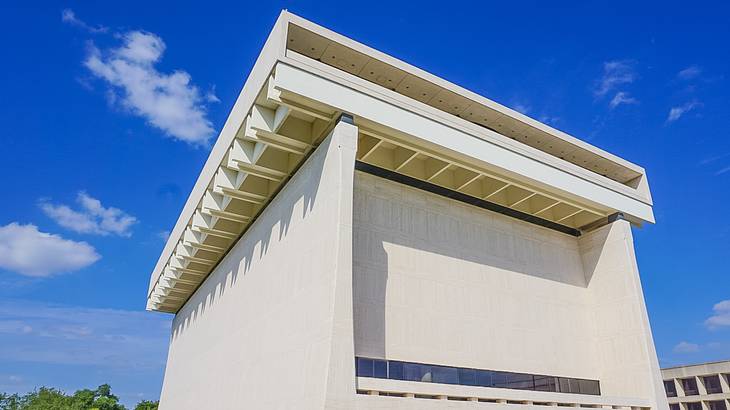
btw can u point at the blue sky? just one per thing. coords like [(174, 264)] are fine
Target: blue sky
[(108, 111)]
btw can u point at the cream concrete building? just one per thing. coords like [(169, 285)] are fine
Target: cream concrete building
[(703, 386), (365, 235)]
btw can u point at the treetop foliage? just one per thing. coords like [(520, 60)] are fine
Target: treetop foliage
[(49, 398)]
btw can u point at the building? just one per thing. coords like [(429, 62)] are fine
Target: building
[(365, 235), (703, 386)]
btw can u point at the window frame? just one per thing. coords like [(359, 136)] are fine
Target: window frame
[(463, 376)]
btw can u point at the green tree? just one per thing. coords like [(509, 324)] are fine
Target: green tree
[(147, 405), (11, 401), (105, 400), (105, 390), (107, 403), (83, 399), (45, 398)]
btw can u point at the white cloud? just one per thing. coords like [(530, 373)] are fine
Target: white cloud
[(164, 235), (128, 347), (27, 251), (36, 332), (211, 97), (550, 120), (92, 218), (622, 97), (721, 316), (615, 74), (677, 112), (689, 73), (712, 159), (69, 17), (169, 102), (723, 171), (715, 345), (686, 347), (522, 108)]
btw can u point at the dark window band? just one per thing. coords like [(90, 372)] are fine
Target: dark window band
[(429, 373)]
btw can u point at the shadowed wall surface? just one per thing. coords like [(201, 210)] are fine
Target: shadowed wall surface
[(437, 281), (258, 332)]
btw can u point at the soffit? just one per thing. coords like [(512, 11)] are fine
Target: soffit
[(357, 63)]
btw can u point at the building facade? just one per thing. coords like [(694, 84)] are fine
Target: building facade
[(703, 386), (365, 235)]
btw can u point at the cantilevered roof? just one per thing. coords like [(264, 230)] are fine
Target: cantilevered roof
[(411, 124), (412, 82)]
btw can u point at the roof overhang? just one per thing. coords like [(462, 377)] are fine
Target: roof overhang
[(293, 97)]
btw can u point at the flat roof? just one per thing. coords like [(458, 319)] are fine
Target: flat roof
[(362, 61), (697, 365)]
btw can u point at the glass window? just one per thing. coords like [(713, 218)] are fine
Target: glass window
[(588, 387), (416, 372), (674, 406), (693, 406), (717, 405), (670, 388), (364, 367), (443, 374), (384, 369), (520, 381), (712, 384), (545, 383), (395, 370), (484, 378), (689, 386), (380, 369), (499, 379), (568, 385), (467, 377)]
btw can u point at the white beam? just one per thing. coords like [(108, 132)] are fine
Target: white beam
[(229, 216), (438, 170), (545, 208), (404, 163), (530, 195), (569, 215), (165, 298), (194, 272), (499, 159), (206, 247), (278, 141), (241, 195), (273, 94), (500, 189), (468, 181), (258, 170), (371, 150), (196, 259), (216, 232), (183, 281), (281, 114)]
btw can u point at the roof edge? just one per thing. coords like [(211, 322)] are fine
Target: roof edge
[(360, 47)]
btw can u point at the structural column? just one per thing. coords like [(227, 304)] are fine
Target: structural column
[(341, 369), (612, 278)]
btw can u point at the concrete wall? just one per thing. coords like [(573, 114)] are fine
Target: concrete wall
[(258, 334), (437, 281), (626, 355), (343, 264)]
